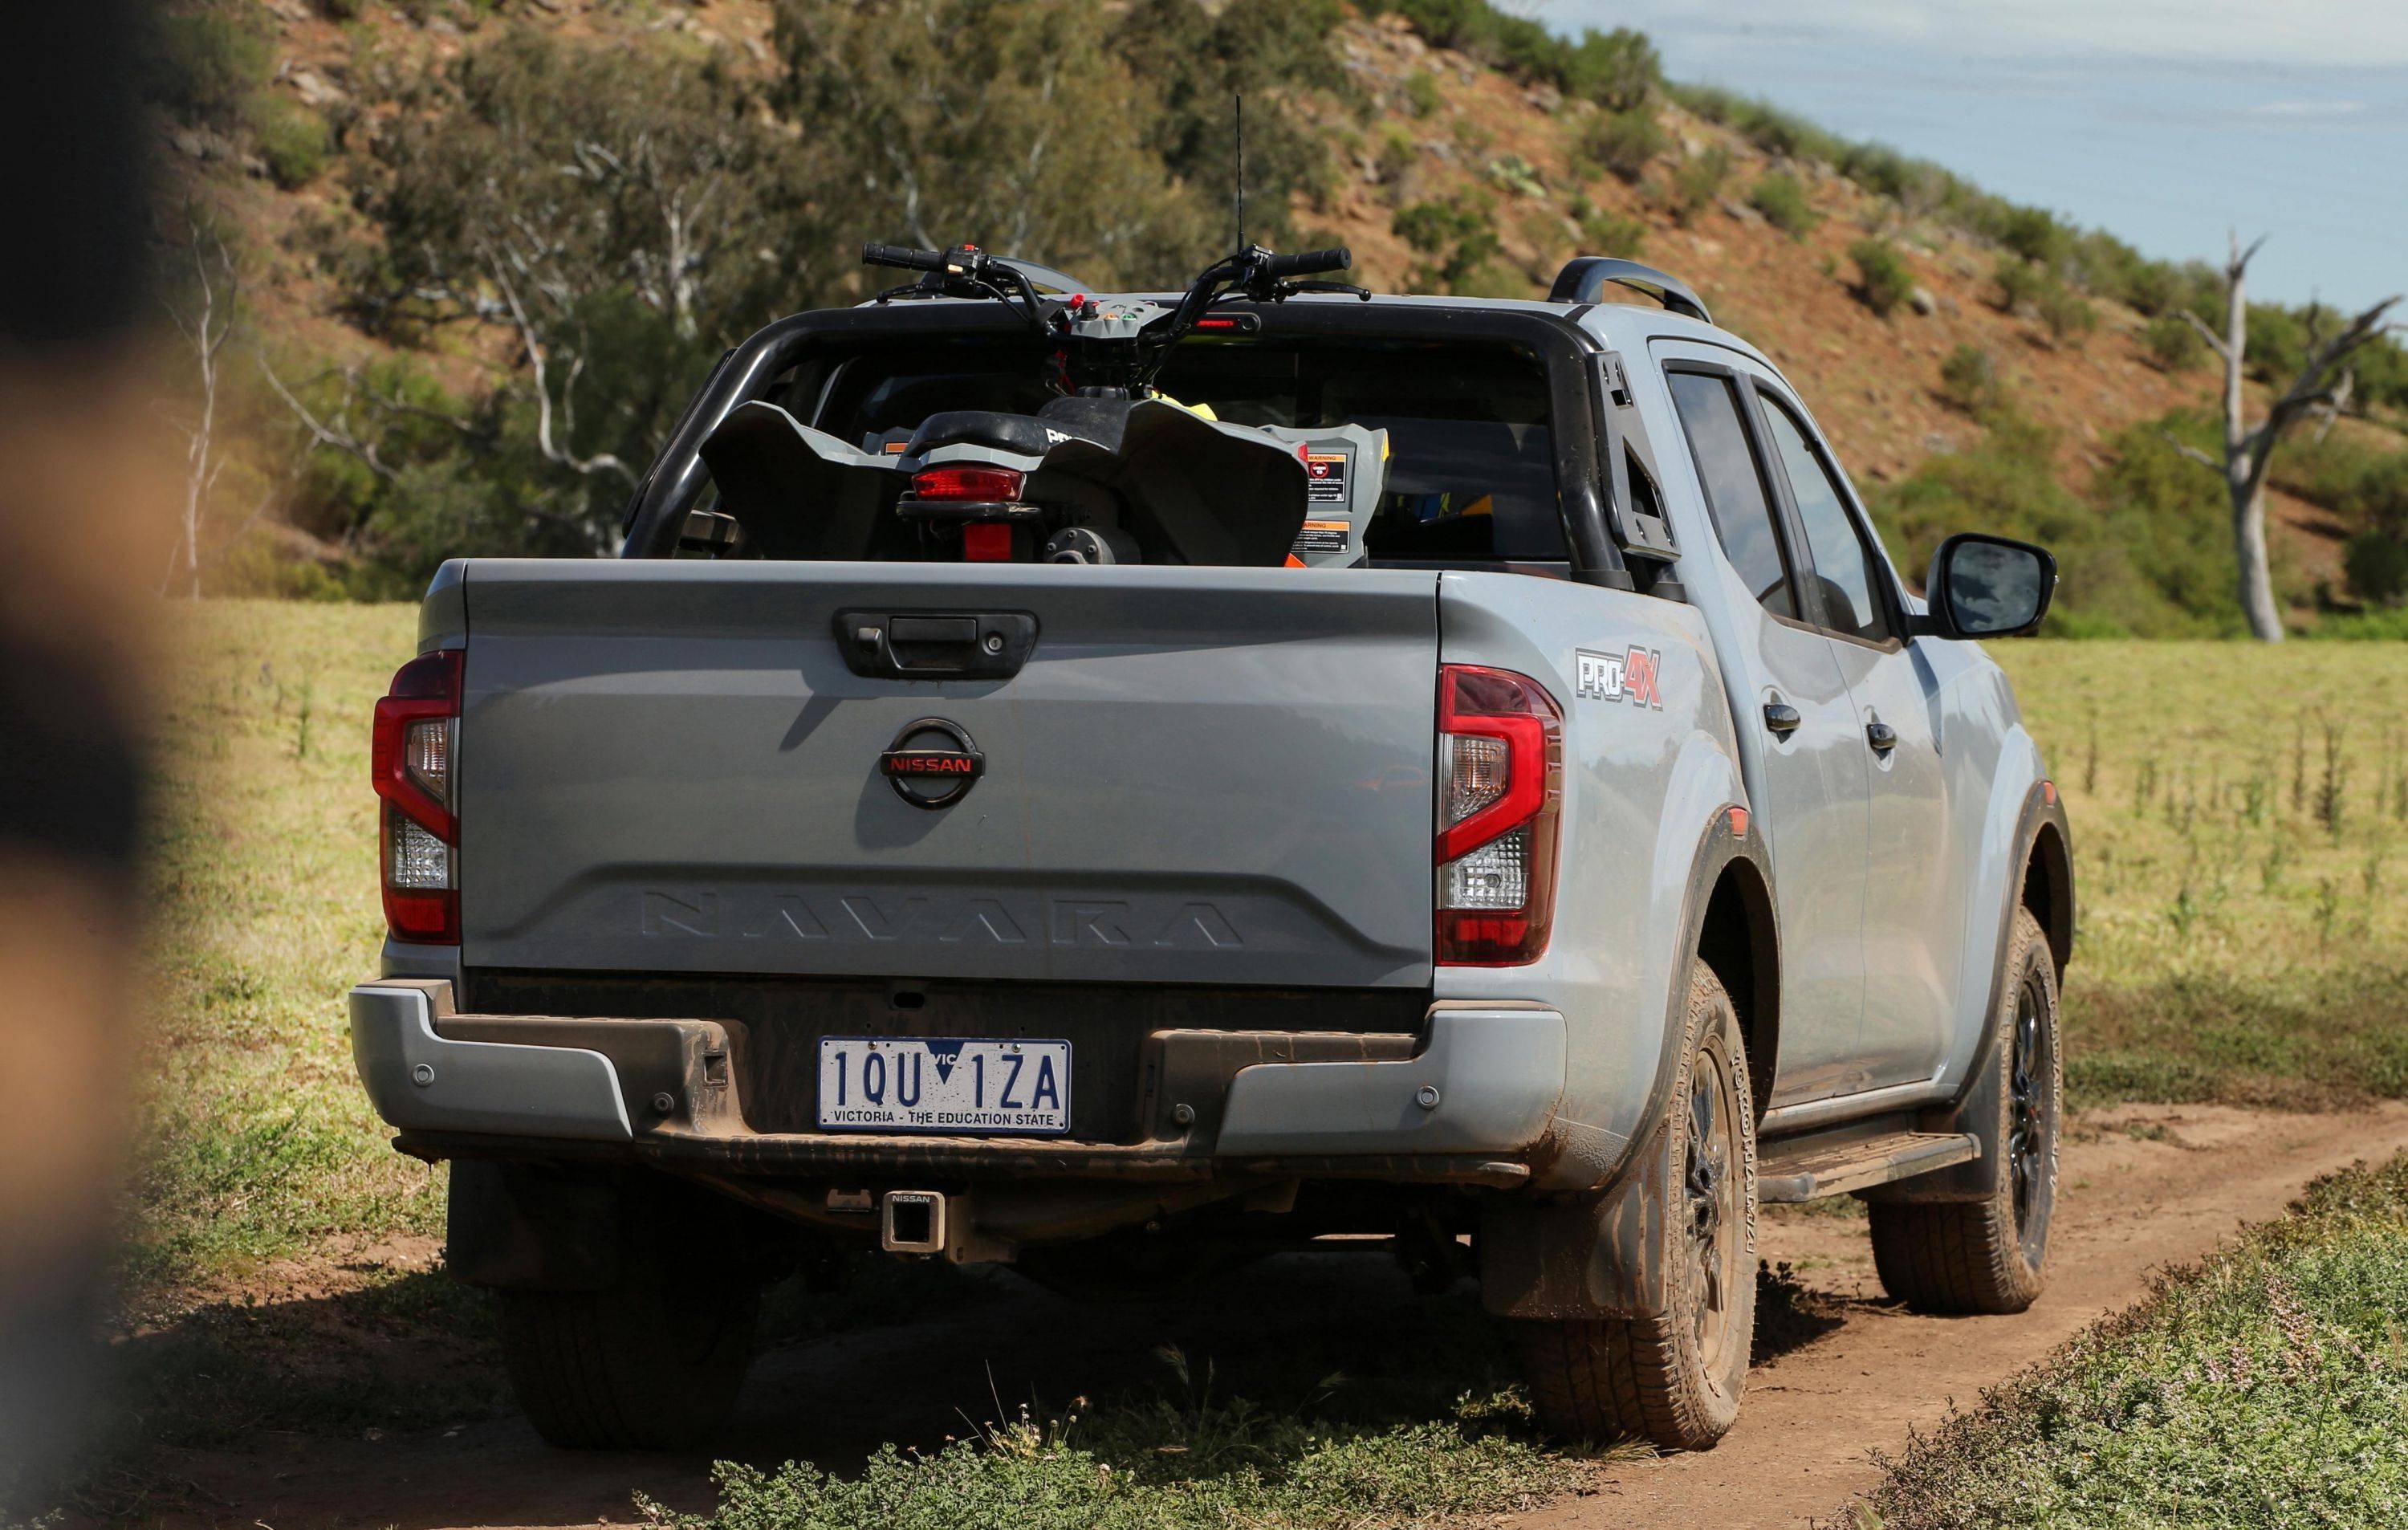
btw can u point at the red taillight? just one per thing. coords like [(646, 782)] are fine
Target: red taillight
[(987, 542), (975, 485), (414, 763), (1500, 786)]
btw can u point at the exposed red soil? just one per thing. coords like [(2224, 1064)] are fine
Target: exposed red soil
[(1812, 1418)]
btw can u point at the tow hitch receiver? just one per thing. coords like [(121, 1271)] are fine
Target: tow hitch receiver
[(912, 1221)]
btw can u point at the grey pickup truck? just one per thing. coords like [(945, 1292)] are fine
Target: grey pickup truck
[(1117, 784)]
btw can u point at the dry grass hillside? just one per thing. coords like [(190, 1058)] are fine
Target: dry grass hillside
[(1427, 124)]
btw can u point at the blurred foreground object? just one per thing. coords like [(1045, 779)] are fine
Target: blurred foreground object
[(85, 509)]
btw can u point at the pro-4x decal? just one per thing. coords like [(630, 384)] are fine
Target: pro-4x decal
[(1630, 676)]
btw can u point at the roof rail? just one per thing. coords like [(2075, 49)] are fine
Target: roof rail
[(1584, 278)]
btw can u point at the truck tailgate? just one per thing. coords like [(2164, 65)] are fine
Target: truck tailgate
[(1199, 775)]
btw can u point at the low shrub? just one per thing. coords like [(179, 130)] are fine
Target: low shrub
[(1457, 237), (1781, 134), (1698, 182), (1514, 173), (2018, 281), (2032, 235), (205, 63), (2067, 314), (292, 139), (1970, 380), (1396, 155), (1619, 70), (1883, 281), (2376, 565), (1623, 142), (1604, 233), (2365, 488), (2172, 344), (1783, 201)]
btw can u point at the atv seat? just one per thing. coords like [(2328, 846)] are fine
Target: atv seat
[(1020, 433), (1095, 419)]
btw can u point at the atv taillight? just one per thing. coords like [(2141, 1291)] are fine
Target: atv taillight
[(413, 753), (986, 542), (975, 485), (1500, 787)]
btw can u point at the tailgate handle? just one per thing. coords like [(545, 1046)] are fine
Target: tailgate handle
[(935, 644)]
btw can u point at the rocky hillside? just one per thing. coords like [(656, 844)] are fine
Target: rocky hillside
[(1442, 173), (1873, 381)]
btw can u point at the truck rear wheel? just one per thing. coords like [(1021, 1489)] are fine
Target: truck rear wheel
[(1673, 1377), (1990, 1255), (653, 1361)]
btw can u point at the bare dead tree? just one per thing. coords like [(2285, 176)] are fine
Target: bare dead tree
[(2249, 449), (675, 182), (334, 428), (510, 264), (205, 317), (532, 264)]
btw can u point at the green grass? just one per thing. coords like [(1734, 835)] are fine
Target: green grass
[(1288, 1443), (2239, 823), (2263, 1387), (258, 1143)]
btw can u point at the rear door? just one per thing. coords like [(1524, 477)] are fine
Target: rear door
[(1195, 775), (1807, 749), (1914, 894)]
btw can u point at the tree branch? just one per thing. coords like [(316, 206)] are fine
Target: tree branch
[(2215, 341), (2193, 453), (2308, 391), (341, 438), (2239, 264), (554, 451), (205, 330)]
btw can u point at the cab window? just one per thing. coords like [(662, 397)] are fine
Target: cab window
[(1844, 562), (1736, 496)]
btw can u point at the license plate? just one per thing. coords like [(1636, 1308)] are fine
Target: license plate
[(950, 1084)]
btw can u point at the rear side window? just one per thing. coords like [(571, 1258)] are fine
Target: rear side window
[(1471, 458), (1843, 567), (1735, 492)]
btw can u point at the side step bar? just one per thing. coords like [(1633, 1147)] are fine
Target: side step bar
[(1813, 1167)]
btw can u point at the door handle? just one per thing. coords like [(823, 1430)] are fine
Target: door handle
[(1782, 718), (935, 644), (1882, 736)]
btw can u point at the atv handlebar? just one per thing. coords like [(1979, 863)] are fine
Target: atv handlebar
[(1253, 273), (1309, 262), (902, 256)]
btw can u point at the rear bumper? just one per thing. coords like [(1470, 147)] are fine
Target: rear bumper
[(1471, 1101), (419, 1079)]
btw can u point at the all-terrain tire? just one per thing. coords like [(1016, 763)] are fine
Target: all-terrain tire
[(652, 1362), (1992, 1255), (1673, 1377)]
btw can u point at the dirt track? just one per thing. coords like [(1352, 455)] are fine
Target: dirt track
[(2146, 1186)]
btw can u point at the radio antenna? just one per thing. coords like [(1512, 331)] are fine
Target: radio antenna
[(1239, 105)]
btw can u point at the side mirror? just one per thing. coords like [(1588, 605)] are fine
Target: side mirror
[(1983, 586)]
